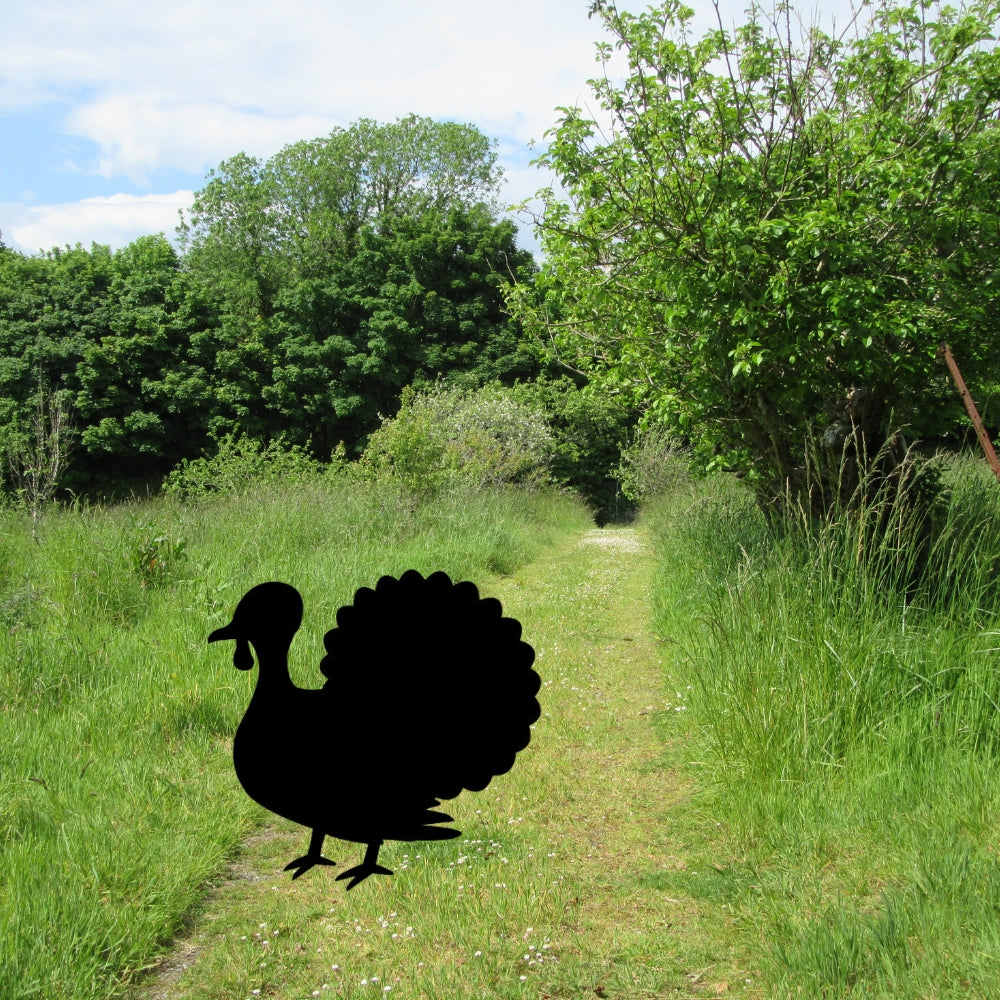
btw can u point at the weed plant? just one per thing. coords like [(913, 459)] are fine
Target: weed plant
[(845, 708), (117, 799)]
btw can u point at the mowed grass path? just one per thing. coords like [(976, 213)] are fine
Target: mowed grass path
[(555, 889)]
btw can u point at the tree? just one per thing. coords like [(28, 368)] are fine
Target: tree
[(52, 307), (37, 454), (231, 241), (348, 267), (147, 387), (417, 302), (256, 225), (774, 229), (591, 429), (371, 174)]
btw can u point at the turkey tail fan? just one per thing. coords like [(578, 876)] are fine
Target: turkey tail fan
[(446, 681)]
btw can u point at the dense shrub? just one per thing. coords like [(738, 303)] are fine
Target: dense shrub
[(487, 437), (590, 431), (238, 464)]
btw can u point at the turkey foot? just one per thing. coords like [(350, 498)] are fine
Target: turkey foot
[(367, 867), (312, 858)]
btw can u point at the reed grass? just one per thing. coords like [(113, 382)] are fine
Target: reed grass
[(844, 725), (116, 795)]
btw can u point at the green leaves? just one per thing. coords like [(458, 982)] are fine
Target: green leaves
[(256, 225), (310, 288), (778, 221)]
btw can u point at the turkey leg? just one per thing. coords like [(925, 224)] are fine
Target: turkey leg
[(369, 866), (312, 858)]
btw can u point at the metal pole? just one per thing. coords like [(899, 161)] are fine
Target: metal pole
[(970, 407)]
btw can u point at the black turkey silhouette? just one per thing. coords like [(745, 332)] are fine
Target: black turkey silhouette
[(430, 690)]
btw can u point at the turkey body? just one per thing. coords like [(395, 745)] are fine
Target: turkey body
[(362, 798), (429, 691)]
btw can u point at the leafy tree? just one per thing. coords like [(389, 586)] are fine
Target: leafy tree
[(231, 240), (122, 340), (369, 175), (51, 308), (146, 388), (256, 225), (348, 267), (772, 228), (415, 303), (591, 429)]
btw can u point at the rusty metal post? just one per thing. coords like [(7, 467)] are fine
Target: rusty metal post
[(970, 407)]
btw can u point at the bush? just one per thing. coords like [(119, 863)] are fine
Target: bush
[(651, 464), (238, 464), (486, 438), (590, 430)]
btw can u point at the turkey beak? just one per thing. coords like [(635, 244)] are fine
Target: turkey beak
[(242, 658)]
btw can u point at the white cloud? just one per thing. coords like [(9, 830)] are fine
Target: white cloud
[(173, 89), (114, 220), (137, 136), (301, 59)]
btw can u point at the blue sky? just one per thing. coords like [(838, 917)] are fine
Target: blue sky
[(111, 112)]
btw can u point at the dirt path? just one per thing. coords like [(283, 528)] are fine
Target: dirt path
[(584, 830)]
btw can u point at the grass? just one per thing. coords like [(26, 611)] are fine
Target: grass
[(117, 798), (843, 734), (552, 889), (792, 793)]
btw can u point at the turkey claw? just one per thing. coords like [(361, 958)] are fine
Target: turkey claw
[(359, 873), (307, 861)]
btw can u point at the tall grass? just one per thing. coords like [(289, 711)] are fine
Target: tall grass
[(117, 799), (845, 705)]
